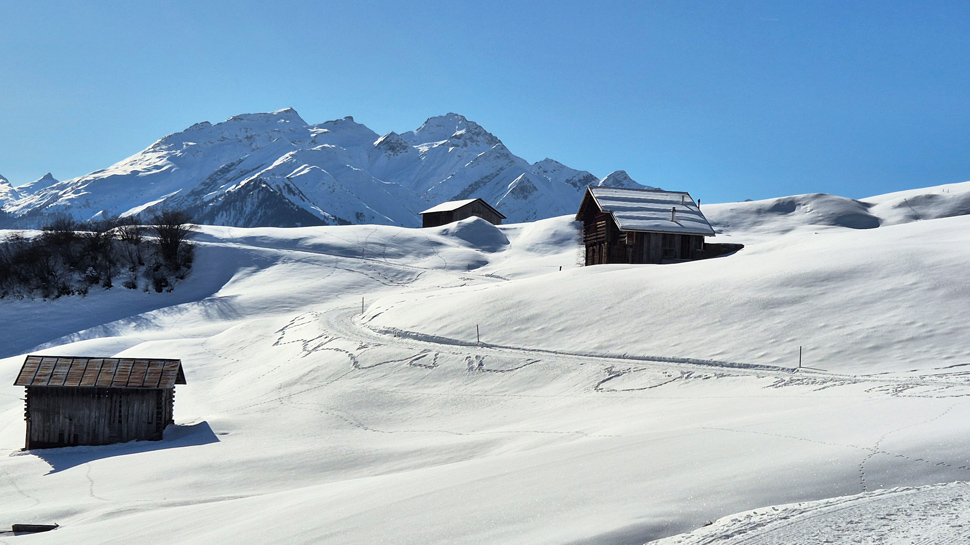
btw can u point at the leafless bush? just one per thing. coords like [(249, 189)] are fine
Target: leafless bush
[(69, 257)]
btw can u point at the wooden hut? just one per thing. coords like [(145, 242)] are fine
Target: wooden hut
[(450, 211), (641, 226), (97, 401)]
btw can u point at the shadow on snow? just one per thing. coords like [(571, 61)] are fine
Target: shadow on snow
[(176, 436)]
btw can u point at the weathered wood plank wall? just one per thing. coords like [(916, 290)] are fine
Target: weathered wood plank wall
[(58, 416)]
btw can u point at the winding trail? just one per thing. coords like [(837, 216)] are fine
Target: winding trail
[(346, 323)]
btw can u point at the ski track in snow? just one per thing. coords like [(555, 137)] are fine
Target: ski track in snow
[(784, 375), (776, 529), (87, 475), (893, 386), (476, 363), (819, 380), (934, 515), (356, 331), (13, 483), (876, 449)]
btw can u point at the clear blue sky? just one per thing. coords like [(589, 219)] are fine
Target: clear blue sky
[(727, 100)]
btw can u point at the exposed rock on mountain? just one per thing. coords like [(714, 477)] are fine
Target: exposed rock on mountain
[(275, 169), (7, 191)]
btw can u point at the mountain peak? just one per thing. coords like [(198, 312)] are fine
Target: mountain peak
[(7, 191), (449, 118), (202, 125), (392, 144), (45, 181), (270, 124), (284, 116), (548, 166), (619, 178), (347, 121), (451, 126), (343, 132), (547, 162)]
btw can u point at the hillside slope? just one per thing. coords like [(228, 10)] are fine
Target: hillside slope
[(606, 404)]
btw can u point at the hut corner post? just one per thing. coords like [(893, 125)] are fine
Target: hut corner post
[(27, 417)]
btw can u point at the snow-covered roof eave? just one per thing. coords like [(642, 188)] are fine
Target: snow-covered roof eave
[(672, 230), (451, 206)]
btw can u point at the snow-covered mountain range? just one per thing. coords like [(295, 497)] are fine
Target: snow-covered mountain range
[(275, 169)]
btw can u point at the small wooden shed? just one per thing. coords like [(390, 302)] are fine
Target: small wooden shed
[(97, 401), (641, 226), (450, 211)]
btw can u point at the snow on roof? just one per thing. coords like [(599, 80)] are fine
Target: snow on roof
[(455, 205), (448, 206), (649, 210)]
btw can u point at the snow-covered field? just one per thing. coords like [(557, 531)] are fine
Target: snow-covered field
[(603, 405)]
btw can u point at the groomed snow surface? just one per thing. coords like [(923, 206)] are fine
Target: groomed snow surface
[(494, 391)]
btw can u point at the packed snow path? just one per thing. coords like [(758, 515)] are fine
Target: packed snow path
[(306, 421), (931, 515)]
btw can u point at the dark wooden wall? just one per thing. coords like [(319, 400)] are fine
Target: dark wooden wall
[(434, 219), (59, 417), (602, 239), (605, 243)]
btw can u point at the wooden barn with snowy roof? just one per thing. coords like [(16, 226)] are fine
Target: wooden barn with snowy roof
[(97, 401), (641, 226), (450, 211)]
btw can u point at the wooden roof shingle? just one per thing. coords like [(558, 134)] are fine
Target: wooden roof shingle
[(649, 210), (75, 372)]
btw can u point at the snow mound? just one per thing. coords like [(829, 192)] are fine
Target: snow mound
[(544, 237), (478, 234), (790, 213), (922, 204), (785, 214)]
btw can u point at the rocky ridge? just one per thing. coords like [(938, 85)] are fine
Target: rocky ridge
[(275, 169)]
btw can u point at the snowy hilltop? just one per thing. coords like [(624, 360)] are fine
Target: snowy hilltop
[(275, 169)]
